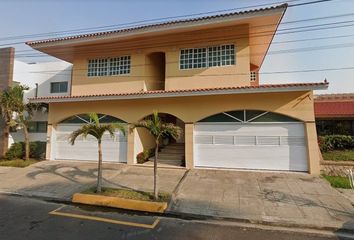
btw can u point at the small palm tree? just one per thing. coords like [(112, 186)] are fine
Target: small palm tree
[(96, 129), (18, 113), (158, 129)]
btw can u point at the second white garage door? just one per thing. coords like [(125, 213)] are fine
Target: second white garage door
[(269, 146)]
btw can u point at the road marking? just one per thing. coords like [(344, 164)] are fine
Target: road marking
[(107, 220)]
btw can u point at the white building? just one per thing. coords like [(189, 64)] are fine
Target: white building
[(43, 79)]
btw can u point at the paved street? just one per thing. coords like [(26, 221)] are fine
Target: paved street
[(284, 199), (23, 218)]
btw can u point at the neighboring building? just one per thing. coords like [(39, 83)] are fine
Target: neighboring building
[(202, 74), (334, 114), (43, 79)]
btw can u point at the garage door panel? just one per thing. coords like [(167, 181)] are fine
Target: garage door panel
[(251, 146), (249, 157), (113, 149), (249, 129)]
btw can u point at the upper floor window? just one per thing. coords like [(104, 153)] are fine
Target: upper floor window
[(253, 76), (222, 55), (58, 87), (109, 66)]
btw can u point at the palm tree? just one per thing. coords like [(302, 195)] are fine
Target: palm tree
[(96, 129), (6, 110), (158, 129), (18, 113)]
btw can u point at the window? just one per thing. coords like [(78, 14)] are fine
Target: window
[(37, 127), (58, 87), (253, 76), (222, 55), (109, 66)]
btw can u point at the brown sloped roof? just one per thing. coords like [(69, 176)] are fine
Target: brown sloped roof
[(155, 25), (182, 92)]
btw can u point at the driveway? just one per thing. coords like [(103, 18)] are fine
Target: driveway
[(282, 198), (59, 180)]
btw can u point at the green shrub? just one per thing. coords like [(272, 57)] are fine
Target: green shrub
[(335, 142), (37, 150), (145, 155), (17, 150)]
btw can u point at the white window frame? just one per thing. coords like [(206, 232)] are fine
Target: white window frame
[(122, 66), (207, 49)]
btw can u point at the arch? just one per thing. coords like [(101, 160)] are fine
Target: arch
[(249, 115), (163, 115), (83, 115), (84, 118)]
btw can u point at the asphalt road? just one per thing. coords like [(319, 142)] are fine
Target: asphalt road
[(26, 218)]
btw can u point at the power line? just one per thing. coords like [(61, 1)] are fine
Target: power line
[(315, 27), (143, 21), (153, 20)]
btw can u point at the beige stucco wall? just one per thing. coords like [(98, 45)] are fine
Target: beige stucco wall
[(298, 105), (191, 109), (144, 76)]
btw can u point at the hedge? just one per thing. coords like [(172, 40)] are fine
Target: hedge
[(17, 150), (335, 142)]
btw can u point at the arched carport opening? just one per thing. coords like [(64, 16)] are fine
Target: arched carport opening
[(250, 139), (85, 149), (172, 152)]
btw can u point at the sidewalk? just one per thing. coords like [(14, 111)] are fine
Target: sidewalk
[(59, 180), (285, 199), (282, 199)]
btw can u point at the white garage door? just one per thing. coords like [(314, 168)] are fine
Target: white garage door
[(251, 145), (113, 149)]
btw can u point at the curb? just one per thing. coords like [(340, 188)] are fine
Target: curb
[(190, 216), (121, 203)]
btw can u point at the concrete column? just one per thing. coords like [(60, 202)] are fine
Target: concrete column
[(7, 56), (313, 149), (131, 147), (189, 140), (50, 141)]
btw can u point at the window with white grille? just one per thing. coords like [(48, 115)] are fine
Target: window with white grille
[(253, 76), (213, 56), (109, 66)]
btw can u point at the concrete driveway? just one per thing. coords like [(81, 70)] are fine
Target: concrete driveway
[(282, 198), (59, 180)]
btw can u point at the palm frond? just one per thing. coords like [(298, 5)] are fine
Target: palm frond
[(96, 129), (157, 128), (94, 117)]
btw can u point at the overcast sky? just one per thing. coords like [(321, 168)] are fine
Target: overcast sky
[(332, 48)]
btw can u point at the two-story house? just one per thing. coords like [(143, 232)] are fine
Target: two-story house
[(201, 74)]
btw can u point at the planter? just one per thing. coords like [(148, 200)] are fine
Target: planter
[(116, 202)]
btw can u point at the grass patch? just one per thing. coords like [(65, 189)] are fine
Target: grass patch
[(129, 194), (338, 182), (339, 155), (17, 163)]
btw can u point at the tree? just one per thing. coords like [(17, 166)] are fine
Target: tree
[(18, 113), (158, 129), (96, 129)]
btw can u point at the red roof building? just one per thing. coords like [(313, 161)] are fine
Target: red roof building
[(335, 114)]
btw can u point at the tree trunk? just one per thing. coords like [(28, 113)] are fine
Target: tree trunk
[(99, 173), (156, 194), (4, 140), (27, 144)]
